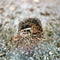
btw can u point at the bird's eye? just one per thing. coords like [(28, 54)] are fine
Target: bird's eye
[(24, 30), (28, 31)]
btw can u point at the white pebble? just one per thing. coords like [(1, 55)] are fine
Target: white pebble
[(50, 53), (31, 58)]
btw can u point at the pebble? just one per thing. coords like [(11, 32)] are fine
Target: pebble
[(36, 0), (1, 10), (30, 58), (12, 7), (50, 53), (2, 54)]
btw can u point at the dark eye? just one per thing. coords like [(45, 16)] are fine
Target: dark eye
[(24, 30), (28, 31)]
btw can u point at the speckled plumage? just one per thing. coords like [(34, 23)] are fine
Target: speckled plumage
[(29, 32)]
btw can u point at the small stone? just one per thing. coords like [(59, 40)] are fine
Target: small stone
[(45, 13), (2, 54), (1, 10), (0, 25), (26, 53), (12, 7), (22, 52), (31, 9), (14, 53), (58, 44), (36, 0), (50, 53), (30, 58)]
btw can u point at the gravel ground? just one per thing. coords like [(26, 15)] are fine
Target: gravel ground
[(14, 11)]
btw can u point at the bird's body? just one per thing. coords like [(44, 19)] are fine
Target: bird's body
[(30, 32)]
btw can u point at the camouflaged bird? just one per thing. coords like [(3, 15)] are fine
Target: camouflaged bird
[(30, 32)]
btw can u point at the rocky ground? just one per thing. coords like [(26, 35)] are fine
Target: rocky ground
[(14, 11)]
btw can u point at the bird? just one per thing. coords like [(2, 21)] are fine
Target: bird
[(30, 33)]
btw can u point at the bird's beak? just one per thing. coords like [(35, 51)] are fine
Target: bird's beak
[(16, 38)]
